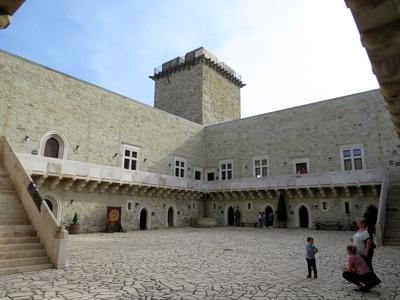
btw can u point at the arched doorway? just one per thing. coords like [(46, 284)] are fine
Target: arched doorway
[(269, 216), (370, 215), (53, 144), (50, 205), (143, 219), (52, 148), (54, 204), (303, 217), (231, 216), (170, 216)]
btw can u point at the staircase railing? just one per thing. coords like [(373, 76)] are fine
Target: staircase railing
[(380, 221), (53, 236)]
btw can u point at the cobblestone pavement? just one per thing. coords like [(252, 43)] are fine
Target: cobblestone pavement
[(188, 263)]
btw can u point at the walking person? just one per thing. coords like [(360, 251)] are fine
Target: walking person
[(311, 250), (259, 219), (364, 242)]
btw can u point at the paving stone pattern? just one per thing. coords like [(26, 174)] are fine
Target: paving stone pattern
[(188, 263)]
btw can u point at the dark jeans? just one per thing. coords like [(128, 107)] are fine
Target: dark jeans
[(355, 278), (368, 260), (311, 265)]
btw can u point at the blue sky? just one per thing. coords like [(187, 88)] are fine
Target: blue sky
[(288, 52)]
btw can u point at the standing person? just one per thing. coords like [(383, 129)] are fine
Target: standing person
[(263, 219), (259, 219), (311, 250), (237, 217), (357, 271), (364, 242)]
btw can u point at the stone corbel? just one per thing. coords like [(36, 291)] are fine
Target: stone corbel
[(360, 191), (310, 192), (81, 185), (347, 191), (299, 193), (92, 186), (68, 184), (40, 180), (54, 182), (334, 191), (104, 186), (322, 192)]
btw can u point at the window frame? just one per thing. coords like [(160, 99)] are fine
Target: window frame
[(352, 157), (301, 160), (130, 148), (198, 169), (261, 158), (226, 162), (180, 168)]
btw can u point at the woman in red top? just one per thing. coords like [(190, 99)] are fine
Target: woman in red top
[(357, 270)]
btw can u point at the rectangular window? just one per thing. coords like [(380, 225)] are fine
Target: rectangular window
[(180, 167), (347, 207), (210, 176), (324, 205), (226, 170), (301, 166), (198, 173), (260, 166), (130, 157), (352, 157)]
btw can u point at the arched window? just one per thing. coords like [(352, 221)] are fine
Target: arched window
[(53, 145)]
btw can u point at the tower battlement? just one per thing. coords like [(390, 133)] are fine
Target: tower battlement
[(198, 87)]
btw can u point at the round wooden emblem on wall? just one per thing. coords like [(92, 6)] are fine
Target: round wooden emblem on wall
[(113, 216)]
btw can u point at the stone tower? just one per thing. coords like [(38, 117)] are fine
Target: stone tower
[(199, 88)]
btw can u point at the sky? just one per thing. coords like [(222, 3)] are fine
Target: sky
[(288, 52)]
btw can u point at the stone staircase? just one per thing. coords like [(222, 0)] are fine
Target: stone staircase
[(392, 222), (20, 248)]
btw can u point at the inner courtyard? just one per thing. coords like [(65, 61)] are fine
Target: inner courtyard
[(191, 263)]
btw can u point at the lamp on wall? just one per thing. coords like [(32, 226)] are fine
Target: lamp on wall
[(77, 147), (169, 165), (27, 138), (144, 160), (116, 154), (285, 163)]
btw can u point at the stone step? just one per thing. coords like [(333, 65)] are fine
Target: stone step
[(391, 242), (29, 268), (10, 247), (8, 196), (20, 240), (16, 262), (14, 221), (7, 190), (16, 230), (12, 213), (22, 254)]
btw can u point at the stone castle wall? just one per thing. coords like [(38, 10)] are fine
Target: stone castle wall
[(36, 100), (92, 209), (221, 98), (335, 212), (314, 131), (180, 93)]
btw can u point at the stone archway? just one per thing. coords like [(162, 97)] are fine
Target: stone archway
[(303, 217), (54, 204), (231, 216), (143, 219), (170, 217), (269, 216), (53, 144)]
